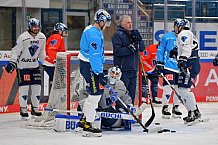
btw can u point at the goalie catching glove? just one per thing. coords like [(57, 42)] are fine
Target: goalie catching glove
[(10, 66)]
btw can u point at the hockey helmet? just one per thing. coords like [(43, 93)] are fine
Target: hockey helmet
[(102, 15), (60, 26), (148, 57), (33, 22), (114, 74), (179, 24)]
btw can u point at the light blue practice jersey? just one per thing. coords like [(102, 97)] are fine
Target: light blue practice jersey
[(167, 43), (92, 48)]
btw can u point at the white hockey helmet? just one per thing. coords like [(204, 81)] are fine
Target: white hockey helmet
[(114, 74), (102, 15), (179, 25), (33, 22), (187, 24), (60, 26)]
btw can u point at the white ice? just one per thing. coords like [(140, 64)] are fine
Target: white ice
[(13, 132)]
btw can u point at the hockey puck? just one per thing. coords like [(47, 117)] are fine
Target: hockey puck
[(173, 131), (160, 131), (157, 123), (166, 130)]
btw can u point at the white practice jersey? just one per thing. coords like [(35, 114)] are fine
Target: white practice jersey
[(187, 43), (28, 50)]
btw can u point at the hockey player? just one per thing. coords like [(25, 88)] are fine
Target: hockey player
[(215, 61), (54, 44), (168, 66), (91, 56), (189, 66), (148, 57), (107, 99), (24, 57)]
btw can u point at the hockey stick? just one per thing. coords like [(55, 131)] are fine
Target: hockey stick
[(150, 120), (180, 98), (125, 106), (187, 75)]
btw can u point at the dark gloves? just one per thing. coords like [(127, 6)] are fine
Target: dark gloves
[(159, 67), (133, 46), (10, 66), (215, 61), (136, 37), (174, 52), (102, 79), (182, 63)]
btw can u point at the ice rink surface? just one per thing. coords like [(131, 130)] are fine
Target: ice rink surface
[(14, 132)]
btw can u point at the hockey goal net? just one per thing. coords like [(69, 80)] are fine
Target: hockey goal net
[(66, 84)]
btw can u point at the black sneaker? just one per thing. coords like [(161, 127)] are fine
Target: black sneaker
[(35, 111), (175, 111), (165, 112)]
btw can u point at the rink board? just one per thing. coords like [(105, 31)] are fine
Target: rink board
[(205, 91)]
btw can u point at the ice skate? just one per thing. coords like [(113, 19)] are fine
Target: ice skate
[(89, 131), (35, 112), (175, 112), (156, 102), (23, 113), (165, 112), (81, 124)]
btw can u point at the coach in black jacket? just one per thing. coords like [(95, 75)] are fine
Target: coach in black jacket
[(126, 46)]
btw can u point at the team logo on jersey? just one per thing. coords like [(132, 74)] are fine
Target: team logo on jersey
[(33, 49), (184, 38), (53, 42), (145, 53), (94, 45)]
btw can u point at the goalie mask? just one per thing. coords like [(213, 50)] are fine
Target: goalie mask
[(114, 74)]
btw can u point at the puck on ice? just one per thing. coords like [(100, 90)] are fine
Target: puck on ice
[(172, 131), (157, 123)]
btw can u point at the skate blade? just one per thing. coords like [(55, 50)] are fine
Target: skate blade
[(197, 121), (176, 116), (90, 134), (79, 130), (166, 116), (24, 118)]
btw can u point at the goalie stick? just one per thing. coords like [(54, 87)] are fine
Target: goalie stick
[(130, 111)]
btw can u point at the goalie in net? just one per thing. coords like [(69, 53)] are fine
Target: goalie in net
[(109, 103)]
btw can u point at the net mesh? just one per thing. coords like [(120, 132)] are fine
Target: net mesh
[(66, 76)]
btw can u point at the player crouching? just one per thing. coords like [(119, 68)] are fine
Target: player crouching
[(106, 104)]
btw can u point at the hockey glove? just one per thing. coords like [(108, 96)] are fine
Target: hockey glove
[(215, 61), (159, 67), (182, 63), (10, 66), (136, 37), (102, 79), (174, 52)]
